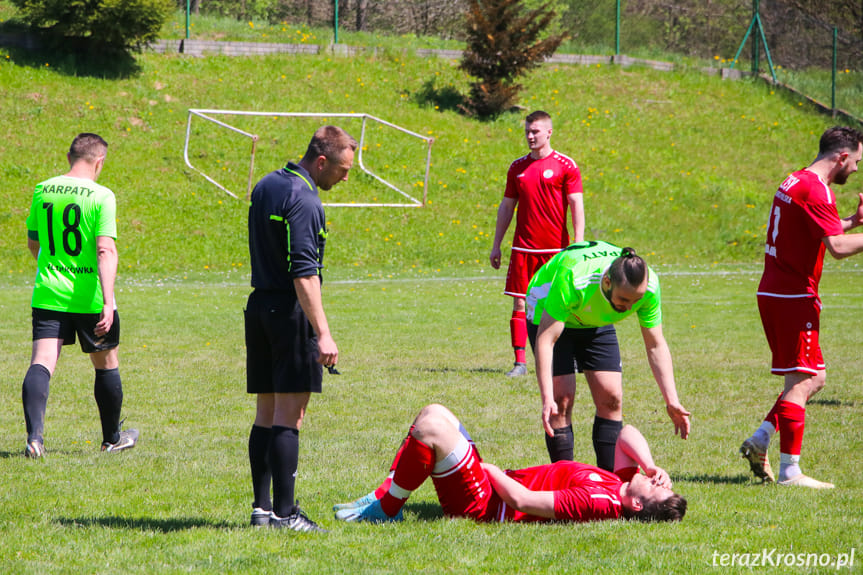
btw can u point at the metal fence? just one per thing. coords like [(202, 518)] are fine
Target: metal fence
[(807, 54)]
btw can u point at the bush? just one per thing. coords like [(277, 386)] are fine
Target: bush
[(99, 26)]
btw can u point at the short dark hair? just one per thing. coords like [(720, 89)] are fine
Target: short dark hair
[(536, 116), (87, 146), (329, 142), (671, 509), (627, 268), (839, 138)]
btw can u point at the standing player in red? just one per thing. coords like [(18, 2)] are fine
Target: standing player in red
[(543, 183), (804, 223), (438, 445)]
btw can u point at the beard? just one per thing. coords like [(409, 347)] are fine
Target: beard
[(607, 294)]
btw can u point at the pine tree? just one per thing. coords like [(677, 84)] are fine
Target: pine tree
[(504, 41)]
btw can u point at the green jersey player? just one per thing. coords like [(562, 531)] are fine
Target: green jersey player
[(572, 303), (71, 230)]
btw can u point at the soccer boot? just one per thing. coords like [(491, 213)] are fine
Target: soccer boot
[(758, 461), (801, 480), (296, 521), (361, 502), (34, 450), (371, 513), (260, 517), (518, 369), (128, 439)]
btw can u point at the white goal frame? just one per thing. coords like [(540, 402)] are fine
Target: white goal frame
[(206, 115)]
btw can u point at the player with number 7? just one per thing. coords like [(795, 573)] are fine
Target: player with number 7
[(804, 224)]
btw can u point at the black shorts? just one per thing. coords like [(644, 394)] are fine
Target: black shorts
[(65, 326), (281, 346), (588, 349)]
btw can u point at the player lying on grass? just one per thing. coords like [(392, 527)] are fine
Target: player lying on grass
[(438, 445)]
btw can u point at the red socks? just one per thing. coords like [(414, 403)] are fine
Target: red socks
[(415, 462), (385, 486), (518, 334), (792, 420), (773, 414)]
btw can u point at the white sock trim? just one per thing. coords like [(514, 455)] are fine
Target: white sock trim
[(788, 459), (455, 459), (399, 492)]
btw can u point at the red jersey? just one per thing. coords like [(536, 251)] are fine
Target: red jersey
[(803, 213), (581, 492), (541, 188)]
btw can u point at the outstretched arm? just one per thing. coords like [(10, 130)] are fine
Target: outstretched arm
[(632, 451), (842, 246), (519, 497), (856, 218), (659, 357), (547, 334)]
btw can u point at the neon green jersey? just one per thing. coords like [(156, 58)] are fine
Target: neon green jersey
[(568, 288), (66, 216)]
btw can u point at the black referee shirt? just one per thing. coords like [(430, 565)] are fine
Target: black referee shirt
[(287, 229)]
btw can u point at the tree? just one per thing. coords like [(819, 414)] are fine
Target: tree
[(504, 41), (362, 7), (100, 27)]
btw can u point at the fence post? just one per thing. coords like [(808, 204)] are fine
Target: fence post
[(336, 23), (755, 13), (188, 16), (833, 83)]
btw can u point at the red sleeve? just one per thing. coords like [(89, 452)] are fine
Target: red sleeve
[(511, 190), (824, 220), (572, 183)]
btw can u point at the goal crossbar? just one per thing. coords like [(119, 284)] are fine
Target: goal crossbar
[(206, 114)]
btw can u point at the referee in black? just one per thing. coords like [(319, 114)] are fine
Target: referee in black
[(288, 339)]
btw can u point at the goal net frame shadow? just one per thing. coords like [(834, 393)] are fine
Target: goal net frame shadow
[(205, 114)]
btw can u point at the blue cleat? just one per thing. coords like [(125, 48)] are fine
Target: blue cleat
[(361, 502), (371, 513)]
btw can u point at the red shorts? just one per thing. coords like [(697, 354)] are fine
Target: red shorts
[(791, 326), (464, 490), (522, 266)]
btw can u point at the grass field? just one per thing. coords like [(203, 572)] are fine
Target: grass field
[(180, 500), (680, 165)]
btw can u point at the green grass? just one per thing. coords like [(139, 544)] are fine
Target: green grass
[(206, 27), (817, 84), (209, 27), (680, 165), (180, 500)]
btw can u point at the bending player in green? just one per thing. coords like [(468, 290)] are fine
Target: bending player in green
[(70, 231), (572, 303)]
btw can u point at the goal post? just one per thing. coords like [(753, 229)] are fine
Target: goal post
[(409, 200)]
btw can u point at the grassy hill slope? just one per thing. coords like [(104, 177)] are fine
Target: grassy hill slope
[(680, 165)]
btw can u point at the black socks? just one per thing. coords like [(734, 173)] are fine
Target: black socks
[(560, 446), (34, 395), (108, 391), (284, 458), (605, 432), (259, 447)]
